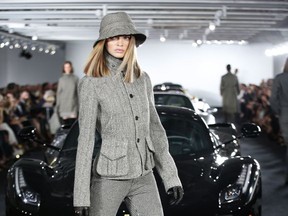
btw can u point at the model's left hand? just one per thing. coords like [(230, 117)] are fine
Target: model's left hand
[(81, 211), (175, 195)]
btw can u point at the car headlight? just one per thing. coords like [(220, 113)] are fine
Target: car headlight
[(233, 192), (27, 195)]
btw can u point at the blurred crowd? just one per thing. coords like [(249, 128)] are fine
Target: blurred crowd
[(33, 105), (21, 106), (254, 106)]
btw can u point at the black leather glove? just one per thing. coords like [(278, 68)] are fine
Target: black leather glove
[(81, 211), (175, 195)]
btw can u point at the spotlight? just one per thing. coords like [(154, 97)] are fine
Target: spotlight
[(162, 38), (17, 45), (194, 44), (212, 26), (199, 42), (34, 37)]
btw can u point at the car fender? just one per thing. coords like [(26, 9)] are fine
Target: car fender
[(242, 173), (27, 177)]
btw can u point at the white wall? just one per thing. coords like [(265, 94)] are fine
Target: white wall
[(197, 69), (40, 68), (3, 68), (279, 62)]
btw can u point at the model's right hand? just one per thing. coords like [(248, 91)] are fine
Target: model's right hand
[(81, 211)]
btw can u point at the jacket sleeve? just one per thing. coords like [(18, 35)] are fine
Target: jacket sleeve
[(58, 94), (87, 125), (164, 162)]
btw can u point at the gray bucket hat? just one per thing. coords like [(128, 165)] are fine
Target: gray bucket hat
[(119, 23)]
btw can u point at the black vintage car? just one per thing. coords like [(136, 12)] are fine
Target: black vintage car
[(215, 178)]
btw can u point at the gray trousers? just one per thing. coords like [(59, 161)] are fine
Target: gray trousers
[(140, 195)]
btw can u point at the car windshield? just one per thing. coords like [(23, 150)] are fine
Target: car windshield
[(186, 136), (173, 100)]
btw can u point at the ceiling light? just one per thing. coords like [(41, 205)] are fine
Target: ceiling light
[(199, 42), (212, 26), (53, 52), (194, 44), (162, 38), (280, 49), (34, 37), (17, 45), (18, 41)]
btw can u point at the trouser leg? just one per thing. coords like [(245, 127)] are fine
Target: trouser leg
[(107, 195), (143, 198)]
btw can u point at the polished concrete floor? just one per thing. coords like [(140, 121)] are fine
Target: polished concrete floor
[(271, 158)]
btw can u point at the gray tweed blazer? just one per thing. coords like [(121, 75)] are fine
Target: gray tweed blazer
[(133, 139)]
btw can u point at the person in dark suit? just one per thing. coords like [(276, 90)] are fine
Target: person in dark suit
[(229, 89), (279, 105)]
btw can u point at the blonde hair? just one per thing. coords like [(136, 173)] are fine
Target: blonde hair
[(96, 64)]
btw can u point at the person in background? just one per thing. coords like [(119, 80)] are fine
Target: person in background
[(279, 105), (229, 89), (116, 98), (67, 97)]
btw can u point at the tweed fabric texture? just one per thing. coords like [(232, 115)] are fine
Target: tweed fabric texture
[(119, 23), (140, 196), (67, 96), (133, 139)]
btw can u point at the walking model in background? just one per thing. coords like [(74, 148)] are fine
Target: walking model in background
[(67, 97), (229, 89), (116, 98), (279, 105)]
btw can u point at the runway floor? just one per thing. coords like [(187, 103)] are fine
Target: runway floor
[(271, 158)]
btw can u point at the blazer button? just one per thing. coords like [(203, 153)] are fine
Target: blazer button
[(131, 95), (138, 140), (136, 117)]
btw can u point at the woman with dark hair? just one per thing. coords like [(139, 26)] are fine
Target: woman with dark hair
[(67, 97), (116, 98)]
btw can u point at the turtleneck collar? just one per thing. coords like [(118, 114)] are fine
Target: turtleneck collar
[(112, 63)]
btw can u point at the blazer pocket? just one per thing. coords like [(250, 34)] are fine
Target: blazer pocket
[(150, 151), (112, 161)]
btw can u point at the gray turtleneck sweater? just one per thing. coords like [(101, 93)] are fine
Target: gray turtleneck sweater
[(133, 139)]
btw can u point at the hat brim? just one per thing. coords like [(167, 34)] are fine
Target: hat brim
[(139, 37)]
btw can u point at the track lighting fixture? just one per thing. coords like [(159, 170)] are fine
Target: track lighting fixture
[(17, 41)]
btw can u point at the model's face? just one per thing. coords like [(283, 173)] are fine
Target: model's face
[(117, 46), (67, 68)]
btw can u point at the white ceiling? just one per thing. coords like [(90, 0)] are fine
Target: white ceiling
[(253, 21)]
